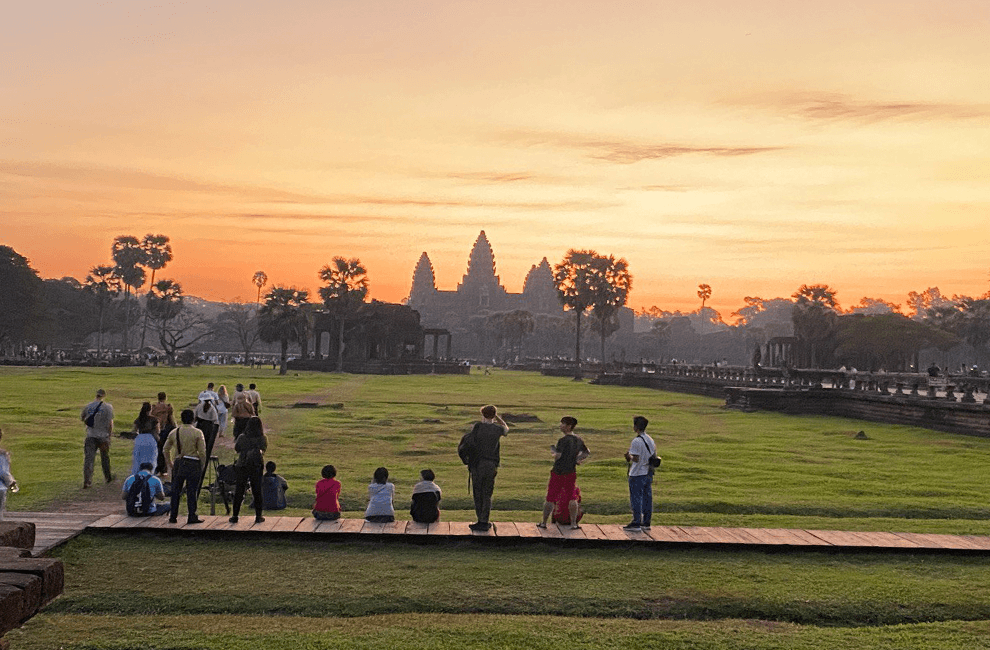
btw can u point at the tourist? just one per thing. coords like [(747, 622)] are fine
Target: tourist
[(273, 487), (207, 419), (327, 506), (186, 449), (641, 450), (98, 416), (380, 496), (250, 447), (146, 427), (568, 453), (7, 481), (426, 499), (481, 453), (255, 398), (241, 411), (223, 406), (238, 391), (134, 498), (163, 412)]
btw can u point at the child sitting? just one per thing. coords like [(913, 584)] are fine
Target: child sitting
[(426, 499), (327, 506), (380, 495)]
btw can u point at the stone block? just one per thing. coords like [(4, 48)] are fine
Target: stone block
[(16, 533), (49, 570)]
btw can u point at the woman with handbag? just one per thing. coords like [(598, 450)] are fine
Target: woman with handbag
[(249, 466)]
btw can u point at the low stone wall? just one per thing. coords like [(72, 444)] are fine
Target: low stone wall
[(410, 367), (26, 584)]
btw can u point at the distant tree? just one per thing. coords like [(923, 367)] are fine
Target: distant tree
[(548, 332), (886, 341), (967, 318), (920, 304), (575, 280), (510, 329), (104, 284), (283, 318), (177, 328), (704, 292), (873, 307), (345, 291), (70, 314), (128, 258), (260, 279), (815, 320), (612, 284), (20, 293), (239, 321), (157, 254)]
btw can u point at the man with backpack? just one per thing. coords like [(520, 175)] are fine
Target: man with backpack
[(479, 449), (98, 417), (643, 460), (141, 490)]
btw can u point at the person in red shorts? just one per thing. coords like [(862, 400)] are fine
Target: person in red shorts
[(568, 453)]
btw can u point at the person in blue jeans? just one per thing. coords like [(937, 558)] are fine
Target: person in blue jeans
[(640, 476)]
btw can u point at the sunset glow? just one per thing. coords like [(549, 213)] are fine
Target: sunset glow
[(752, 146)]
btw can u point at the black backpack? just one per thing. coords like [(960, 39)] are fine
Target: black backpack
[(465, 449), (140, 490)]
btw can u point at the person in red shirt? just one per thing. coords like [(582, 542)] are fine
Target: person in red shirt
[(327, 506)]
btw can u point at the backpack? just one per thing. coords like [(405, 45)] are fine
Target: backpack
[(140, 491), (465, 449), (91, 418)]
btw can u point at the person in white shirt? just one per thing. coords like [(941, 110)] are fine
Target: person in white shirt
[(640, 476)]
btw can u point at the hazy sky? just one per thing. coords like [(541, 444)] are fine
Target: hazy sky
[(754, 146)]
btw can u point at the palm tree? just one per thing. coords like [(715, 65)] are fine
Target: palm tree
[(158, 253), (611, 291), (704, 292), (128, 257), (347, 287), (104, 283), (574, 280), (260, 279), (283, 318)]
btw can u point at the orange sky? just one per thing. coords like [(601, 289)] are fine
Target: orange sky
[(754, 146)]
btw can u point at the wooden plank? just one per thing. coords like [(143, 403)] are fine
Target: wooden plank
[(979, 540), (572, 533), (415, 528), (593, 531), (664, 534), (372, 528), (788, 537), (482, 533), (527, 529), (265, 526), (107, 522), (761, 536), (550, 532), (325, 526), (439, 528), (308, 525), (459, 528), (506, 529), (395, 528), (350, 525), (286, 524), (740, 536), (957, 542), (888, 540), (614, 532), (128, 522)]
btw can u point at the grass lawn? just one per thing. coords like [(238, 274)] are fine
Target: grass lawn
[(720, 468)]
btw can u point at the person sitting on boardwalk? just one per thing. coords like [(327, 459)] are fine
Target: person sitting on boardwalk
[(7, 480), (480, 450), (568, 453), (380, 496), (273, 487), (250, 447), (186, 449), (426, 499), (142, 486), (327, 506)]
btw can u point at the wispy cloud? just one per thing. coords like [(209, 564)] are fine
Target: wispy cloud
[(842, 107), (626, 152)]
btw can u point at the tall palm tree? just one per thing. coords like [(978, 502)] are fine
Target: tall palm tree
[(574, 278), (283, 319), (128, 258), (611, 291), (158, 253), (346, 290), (260, 279), (104, 283)]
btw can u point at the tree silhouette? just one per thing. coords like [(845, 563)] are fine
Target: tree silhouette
[(574, 279), (704, 292), (240, 322), (177, 328), (157, 253), (260, 279), (815, 322), (20, 291), (347, 287), (105, 285), (128, 258), (283, 318), (612, 283)]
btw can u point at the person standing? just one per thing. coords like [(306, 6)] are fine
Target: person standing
[(483, 453), (186, 447), (249, 466), (7, 480), (242, 411), (640, 476), (147, 441), (255, 398), (223, 405), (568, 453), (162, 411), (207, 419), (98, 416)]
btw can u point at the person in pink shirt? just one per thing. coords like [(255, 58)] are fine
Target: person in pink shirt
[(327, 506)]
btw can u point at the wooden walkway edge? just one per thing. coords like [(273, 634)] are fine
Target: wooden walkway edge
[(54, 529)]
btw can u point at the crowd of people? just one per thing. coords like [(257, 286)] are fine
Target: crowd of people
[(182, 450)]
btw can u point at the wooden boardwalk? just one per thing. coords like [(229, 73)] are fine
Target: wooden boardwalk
[(588, 534), (53, 529)]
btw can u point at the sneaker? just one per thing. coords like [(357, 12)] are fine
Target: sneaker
[(173, 520), (645, 527), (233, 520), (259, 520), (633, 528), (480, 526), (194, 520)]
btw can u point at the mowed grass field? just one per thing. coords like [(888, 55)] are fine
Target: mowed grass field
[(720, 468)]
